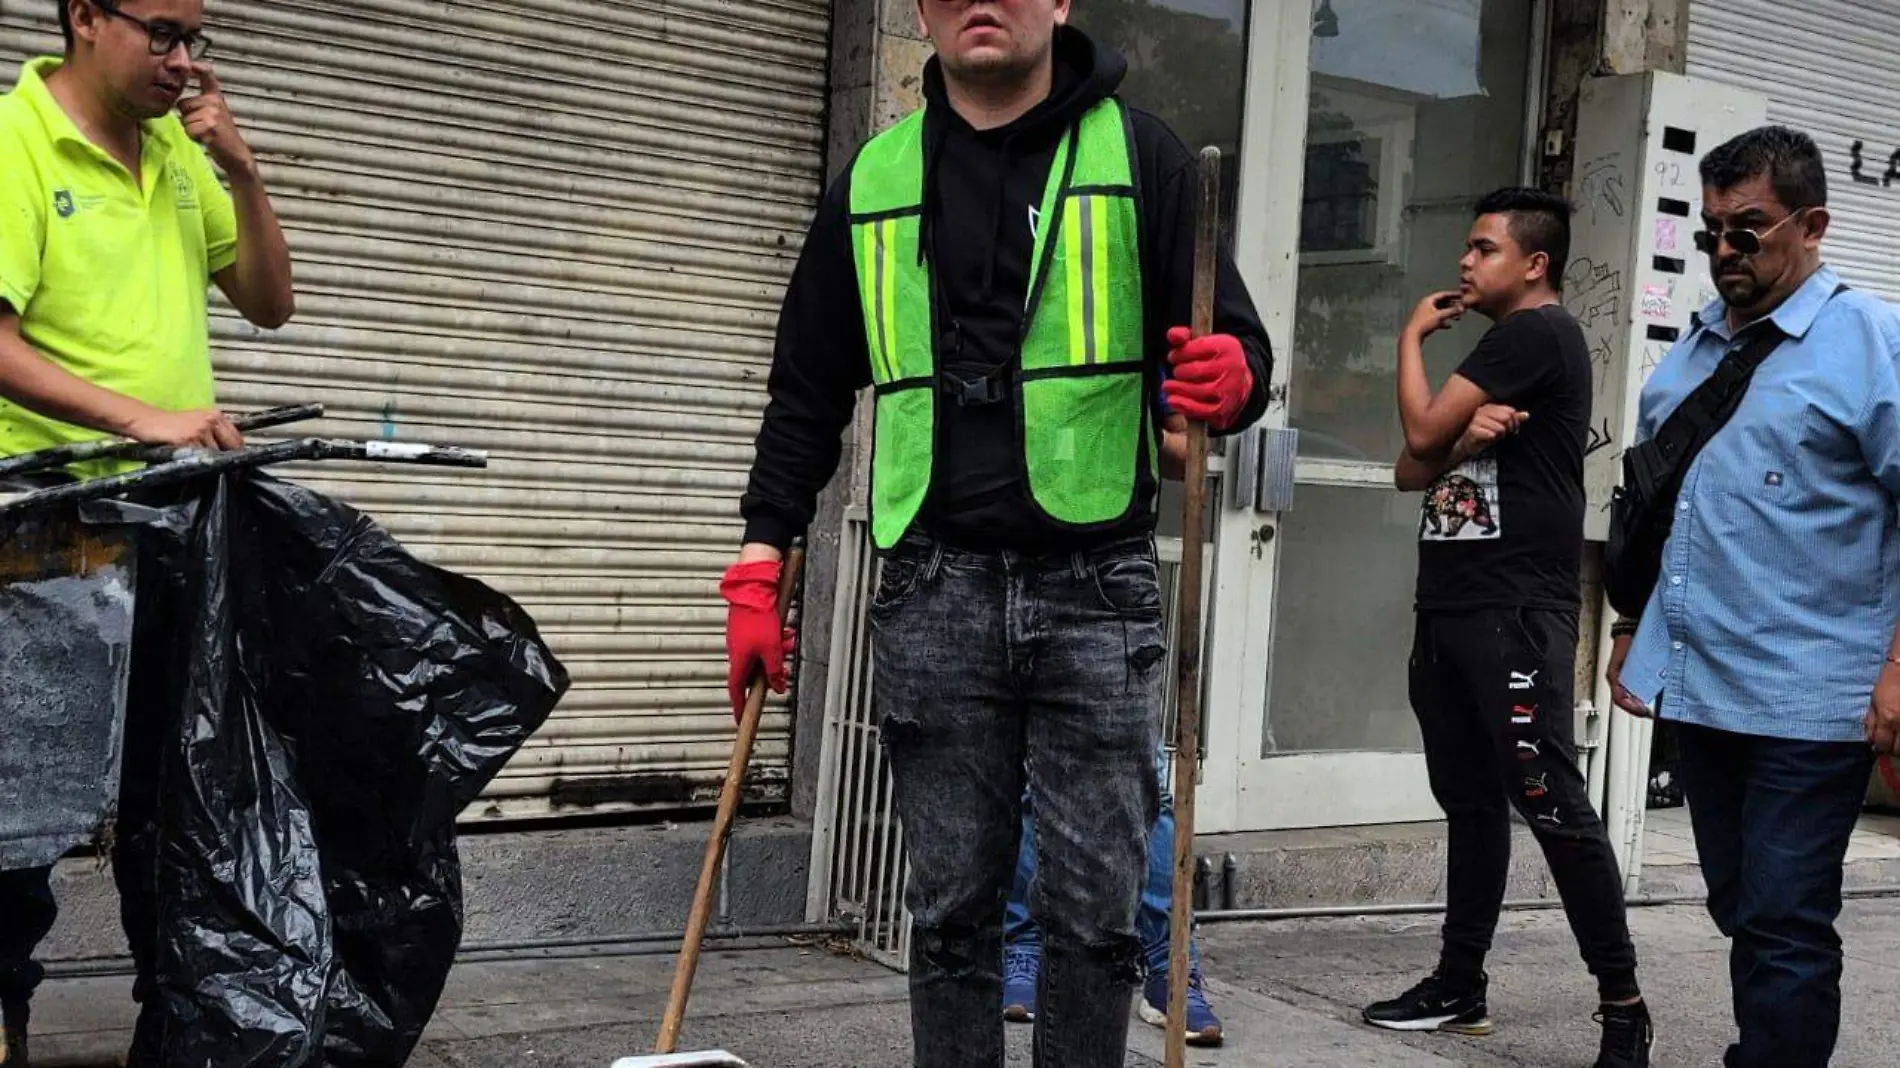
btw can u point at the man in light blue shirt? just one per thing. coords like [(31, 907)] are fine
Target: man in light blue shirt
[(1770, 637)]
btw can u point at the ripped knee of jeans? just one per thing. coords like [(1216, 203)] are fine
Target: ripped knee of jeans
[(1121, 956), (957, 951)]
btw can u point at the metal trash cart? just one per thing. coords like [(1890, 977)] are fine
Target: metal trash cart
[(304, 708), (67, 593)]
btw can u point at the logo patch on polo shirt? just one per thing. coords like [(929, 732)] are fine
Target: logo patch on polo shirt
[(181, 185), (67, 203)]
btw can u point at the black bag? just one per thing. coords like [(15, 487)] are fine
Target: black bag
[(310, 707), (1643, 508)]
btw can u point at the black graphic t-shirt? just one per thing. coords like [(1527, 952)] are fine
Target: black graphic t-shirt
[(1505, 529)]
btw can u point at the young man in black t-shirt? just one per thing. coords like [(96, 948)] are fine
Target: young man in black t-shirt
[(1499, 454)]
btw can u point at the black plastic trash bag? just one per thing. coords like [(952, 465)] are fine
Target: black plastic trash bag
[(310, 708), (65, 653)]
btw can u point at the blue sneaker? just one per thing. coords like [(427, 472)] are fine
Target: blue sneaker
[(1203, 1027), (1021, 968)]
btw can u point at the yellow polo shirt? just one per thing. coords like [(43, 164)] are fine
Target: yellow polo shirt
[(107, 274)]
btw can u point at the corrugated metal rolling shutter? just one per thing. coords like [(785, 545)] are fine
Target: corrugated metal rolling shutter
[(559, 232), (1831, 68)]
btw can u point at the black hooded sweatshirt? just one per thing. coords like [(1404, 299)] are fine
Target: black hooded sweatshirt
[(981, 191)]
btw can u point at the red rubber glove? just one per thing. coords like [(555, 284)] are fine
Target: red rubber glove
[(756, 639), (1211, 381)]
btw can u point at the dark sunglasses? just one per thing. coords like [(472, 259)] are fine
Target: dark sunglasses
[(1744, 242)]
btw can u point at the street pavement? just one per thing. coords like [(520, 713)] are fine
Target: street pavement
[(1289, 993)]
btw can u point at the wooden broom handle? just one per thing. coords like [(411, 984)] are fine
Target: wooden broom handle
[(1188, 628), (729, 794)]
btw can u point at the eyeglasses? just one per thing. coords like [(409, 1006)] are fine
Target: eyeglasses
[(1744, 242), (162, 37)]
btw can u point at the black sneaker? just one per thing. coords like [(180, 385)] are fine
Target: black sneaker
[(13, 1034), (1434, 1006), (1627, 1036)]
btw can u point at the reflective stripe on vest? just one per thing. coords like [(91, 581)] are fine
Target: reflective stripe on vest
[(1083, 412)]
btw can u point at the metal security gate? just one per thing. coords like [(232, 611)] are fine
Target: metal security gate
[(1832, 69), (858, 873), (559, 232)]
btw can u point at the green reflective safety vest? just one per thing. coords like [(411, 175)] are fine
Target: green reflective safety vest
[(1081, 406)]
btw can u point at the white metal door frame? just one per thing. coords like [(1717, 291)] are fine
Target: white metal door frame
[(1279, 40)]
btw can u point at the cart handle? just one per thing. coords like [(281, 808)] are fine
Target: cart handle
[(116, 449), (192, 464)]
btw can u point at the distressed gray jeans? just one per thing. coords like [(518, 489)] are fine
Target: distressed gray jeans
[(993, 667)]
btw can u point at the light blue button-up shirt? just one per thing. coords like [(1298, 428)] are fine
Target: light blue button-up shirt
[(1780, 584)]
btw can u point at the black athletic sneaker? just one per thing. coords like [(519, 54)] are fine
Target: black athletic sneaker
[(1434, 1006), (1627, 1036), (13, 1034)]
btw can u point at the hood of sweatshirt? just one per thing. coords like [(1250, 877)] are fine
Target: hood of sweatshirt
[(1084, 76)]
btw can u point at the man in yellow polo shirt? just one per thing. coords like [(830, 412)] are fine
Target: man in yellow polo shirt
[(112, 227)]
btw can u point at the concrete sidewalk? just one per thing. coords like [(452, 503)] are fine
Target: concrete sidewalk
[(778, 1008), (1541, 997), (1289, 994)]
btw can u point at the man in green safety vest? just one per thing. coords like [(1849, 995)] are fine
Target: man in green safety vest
[(1010, 270)]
